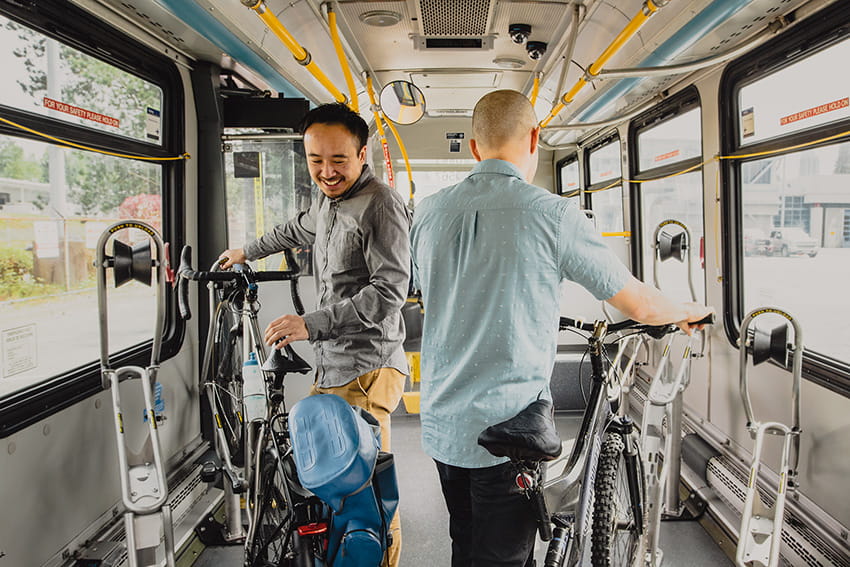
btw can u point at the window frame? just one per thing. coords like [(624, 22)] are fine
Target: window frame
[(585, 173), (86, 33), (828, 27), (560, 165), (683, 101)]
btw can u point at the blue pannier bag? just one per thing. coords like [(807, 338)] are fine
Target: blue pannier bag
[(337, 456)]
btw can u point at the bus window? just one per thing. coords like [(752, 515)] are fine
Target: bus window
[(763, 115), (569, 181), (605, 190), (793, 214), (428, 182), (665, 148), (60, 199), (46, 77), (791, 189)]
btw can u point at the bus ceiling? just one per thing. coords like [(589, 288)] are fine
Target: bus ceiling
[(456, 58)]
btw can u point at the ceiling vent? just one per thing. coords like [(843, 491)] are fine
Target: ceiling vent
[(452, 18)]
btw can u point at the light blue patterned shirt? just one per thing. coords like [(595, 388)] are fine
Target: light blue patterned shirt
[(489, 254)]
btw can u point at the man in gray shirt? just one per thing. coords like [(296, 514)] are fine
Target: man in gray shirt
[(358, 228)]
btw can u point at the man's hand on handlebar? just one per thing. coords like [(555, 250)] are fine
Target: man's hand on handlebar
[(695, 312), (288, 328), (232, 256)]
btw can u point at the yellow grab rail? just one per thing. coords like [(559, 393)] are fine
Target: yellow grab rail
[(649, 7), (404, 155), (379, 115), (301, 55), (388, 162), (343, 61), (535, 89)]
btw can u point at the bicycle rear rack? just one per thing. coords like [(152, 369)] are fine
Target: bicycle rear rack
[(761, 525), (144, 491)]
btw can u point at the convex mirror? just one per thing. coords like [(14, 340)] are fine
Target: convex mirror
[(402, 102)]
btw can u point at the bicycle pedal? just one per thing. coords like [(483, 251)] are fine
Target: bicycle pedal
[(209, 472)]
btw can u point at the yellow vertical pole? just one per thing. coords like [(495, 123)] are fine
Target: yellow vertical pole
[(353, 103)]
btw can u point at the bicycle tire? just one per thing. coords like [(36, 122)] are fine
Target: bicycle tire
[(616, 539), (226, 370), (272, 544)]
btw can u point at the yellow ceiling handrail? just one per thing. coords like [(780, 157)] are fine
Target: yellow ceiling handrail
[(381, 133), (535, 89), (379, 116), (649, 7), (302, 56), (343, 61)]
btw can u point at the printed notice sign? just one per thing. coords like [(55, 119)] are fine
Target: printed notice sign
[(152, 124), (51, 104), (748, 123), (19, 350)]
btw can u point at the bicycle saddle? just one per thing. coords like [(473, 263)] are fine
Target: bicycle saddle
[(528, 436), (285, 360)]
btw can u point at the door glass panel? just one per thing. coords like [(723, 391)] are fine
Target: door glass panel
[(267, 184)]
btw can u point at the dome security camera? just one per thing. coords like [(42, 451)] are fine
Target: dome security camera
[(536, 49), (519, 32)]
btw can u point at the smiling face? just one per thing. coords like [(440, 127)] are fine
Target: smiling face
[(333, 157)]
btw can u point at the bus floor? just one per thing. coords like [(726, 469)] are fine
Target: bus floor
[(424, 520)]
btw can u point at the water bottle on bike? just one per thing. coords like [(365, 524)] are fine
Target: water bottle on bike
[(253, 389)]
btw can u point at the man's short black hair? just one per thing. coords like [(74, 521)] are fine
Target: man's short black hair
[(338, 113)]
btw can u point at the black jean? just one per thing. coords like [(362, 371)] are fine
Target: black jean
[(491, 522)]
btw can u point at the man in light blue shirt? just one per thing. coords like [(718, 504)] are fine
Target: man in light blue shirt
[(489, 254)]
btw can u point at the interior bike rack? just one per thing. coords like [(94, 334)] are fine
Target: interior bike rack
[(663, 408), (147, 517), (625, 375), (761, 525)]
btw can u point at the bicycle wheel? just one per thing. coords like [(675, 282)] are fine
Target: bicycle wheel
[(272, 541), (616, 539), (225, 379), (276, 542)]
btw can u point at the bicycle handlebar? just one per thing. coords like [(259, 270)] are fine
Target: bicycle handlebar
[(185, 272), (655, 331)]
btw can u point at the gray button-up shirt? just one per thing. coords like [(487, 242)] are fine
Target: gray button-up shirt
[(361, 257)]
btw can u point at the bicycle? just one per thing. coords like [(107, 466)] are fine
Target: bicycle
[(286, 523), (598, 499)]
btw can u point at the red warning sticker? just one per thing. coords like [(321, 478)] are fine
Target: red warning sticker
[(822, 109), (668, 155), (51, 104)]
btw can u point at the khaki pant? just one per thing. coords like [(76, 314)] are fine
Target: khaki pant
[(378, 392)]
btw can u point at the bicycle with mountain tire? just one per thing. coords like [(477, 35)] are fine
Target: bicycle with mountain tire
[(592, 512)]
